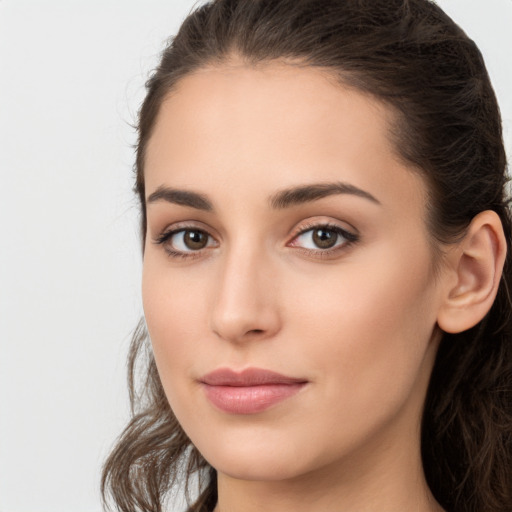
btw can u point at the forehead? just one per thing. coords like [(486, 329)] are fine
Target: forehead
[(258, 128)]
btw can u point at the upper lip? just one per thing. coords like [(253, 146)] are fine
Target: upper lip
[(247, 377)]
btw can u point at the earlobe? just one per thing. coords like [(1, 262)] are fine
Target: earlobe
[(477, 262)]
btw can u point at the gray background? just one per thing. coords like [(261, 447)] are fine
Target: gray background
[(71, 78)]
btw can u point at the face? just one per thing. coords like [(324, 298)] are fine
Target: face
[(287, 281)]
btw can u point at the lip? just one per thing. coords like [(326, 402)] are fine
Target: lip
[(250, 391)]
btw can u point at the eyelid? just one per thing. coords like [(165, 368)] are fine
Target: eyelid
[(183, 226), (166, 235), (344, 227)]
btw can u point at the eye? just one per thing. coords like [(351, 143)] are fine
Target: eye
[(188, 239), (185, 242), (324, 238)]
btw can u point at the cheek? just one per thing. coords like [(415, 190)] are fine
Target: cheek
[(174, 315), (368, 326)]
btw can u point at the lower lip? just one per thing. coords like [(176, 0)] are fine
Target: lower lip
[(250, 399)]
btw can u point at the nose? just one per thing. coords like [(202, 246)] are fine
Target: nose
[(245, 303)]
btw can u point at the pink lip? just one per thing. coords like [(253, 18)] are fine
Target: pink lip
[(250, 391)]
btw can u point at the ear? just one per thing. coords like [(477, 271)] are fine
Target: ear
[(475, 265)]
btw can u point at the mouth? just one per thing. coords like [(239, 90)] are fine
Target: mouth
[(248, 392)]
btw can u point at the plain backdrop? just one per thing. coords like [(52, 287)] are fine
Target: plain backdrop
[(72, 76)]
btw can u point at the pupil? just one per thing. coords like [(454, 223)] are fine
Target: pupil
[(195, 239), (324, 239)]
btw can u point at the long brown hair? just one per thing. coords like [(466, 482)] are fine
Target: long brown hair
[(410, 55)]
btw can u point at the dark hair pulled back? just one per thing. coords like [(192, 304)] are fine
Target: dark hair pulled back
[(410, 55)]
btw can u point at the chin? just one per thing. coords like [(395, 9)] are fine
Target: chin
[(257, 458), (266, 468)]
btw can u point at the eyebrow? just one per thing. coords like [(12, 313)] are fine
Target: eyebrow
[(304, 194), (282, 199), (181, 197)]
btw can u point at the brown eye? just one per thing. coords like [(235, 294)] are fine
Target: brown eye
[(195, 239), (325, 238), (184, 242)]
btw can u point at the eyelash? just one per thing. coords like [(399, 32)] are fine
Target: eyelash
[(350, 239)]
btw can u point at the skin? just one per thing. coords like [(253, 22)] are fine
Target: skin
[(358, 323)]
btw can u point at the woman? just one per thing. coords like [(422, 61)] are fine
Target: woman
[(326, 280)]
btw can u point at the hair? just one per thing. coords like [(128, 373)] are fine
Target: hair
[(411, 56)]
